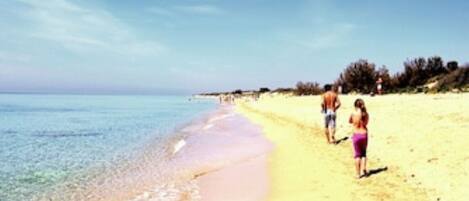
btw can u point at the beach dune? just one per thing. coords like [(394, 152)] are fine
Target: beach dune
[(417, 148)]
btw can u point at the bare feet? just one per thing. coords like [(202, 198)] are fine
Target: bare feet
[(362, 176), (365, 173)]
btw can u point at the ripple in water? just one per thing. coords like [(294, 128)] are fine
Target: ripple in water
[(77, 147)]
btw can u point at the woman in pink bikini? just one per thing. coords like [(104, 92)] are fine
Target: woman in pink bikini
[(359, 120)]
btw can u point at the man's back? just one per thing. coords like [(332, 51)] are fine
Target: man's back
[(330, 100)]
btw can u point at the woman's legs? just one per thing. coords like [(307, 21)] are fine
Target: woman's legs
[(360, 167), (363, 165), (360, 143), (357, 167)]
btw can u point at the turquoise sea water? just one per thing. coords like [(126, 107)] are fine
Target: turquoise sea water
[(46, 140)]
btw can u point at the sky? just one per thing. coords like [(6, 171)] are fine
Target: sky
[(193, 46)]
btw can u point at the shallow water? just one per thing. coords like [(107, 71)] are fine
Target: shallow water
[(67, 146), (221, 139)]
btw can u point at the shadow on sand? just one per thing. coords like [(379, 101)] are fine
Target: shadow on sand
[(376, 171), (341, 140)]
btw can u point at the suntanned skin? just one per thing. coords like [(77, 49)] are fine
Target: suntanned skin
[(359, 122), (330, 100)]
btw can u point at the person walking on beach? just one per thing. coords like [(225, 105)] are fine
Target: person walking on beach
[(330, 104), (359, 119), (379, 86)]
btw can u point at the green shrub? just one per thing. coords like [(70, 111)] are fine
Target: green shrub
[(359, 76), (308, 88), (456, 79), (264, 90)]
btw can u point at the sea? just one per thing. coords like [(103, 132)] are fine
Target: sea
[(92, 147)]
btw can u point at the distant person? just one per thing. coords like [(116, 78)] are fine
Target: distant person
[(379, 86), (232, 99), (339, 89), (359, 119), (330, 104)]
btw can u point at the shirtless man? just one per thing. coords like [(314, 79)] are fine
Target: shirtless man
[(330, 104)]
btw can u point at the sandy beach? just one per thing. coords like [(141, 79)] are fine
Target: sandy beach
[(228, 158), (417, 148)]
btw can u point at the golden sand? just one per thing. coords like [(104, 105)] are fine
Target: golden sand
[(423, 140)]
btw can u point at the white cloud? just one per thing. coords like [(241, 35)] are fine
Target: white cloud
[(15, 57), (321, 37), (161, 11), (85, 29), (201, 9)]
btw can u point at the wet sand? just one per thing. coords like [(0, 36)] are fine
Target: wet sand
[(230, 154), (243, 181), (417, 148)]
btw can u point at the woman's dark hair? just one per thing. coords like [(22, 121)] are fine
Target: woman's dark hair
[(359, 103)]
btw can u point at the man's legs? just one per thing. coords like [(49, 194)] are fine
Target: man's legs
[(331, 126), (332, 134), (327, 120), (327, 134)]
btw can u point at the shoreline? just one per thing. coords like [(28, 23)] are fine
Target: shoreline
[(239, 168), (220, 149), (144, 174), (213, 147)]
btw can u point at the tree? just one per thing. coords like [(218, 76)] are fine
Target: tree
[(308, 88), (264, 89), (359, 76), (238, 91), (418, 71), (458, 78), (434, 67), (452, 66), (414, 73)]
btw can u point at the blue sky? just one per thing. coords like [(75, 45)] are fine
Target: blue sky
[(191, 46)]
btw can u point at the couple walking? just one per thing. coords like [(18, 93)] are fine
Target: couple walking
[(359, 120)]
